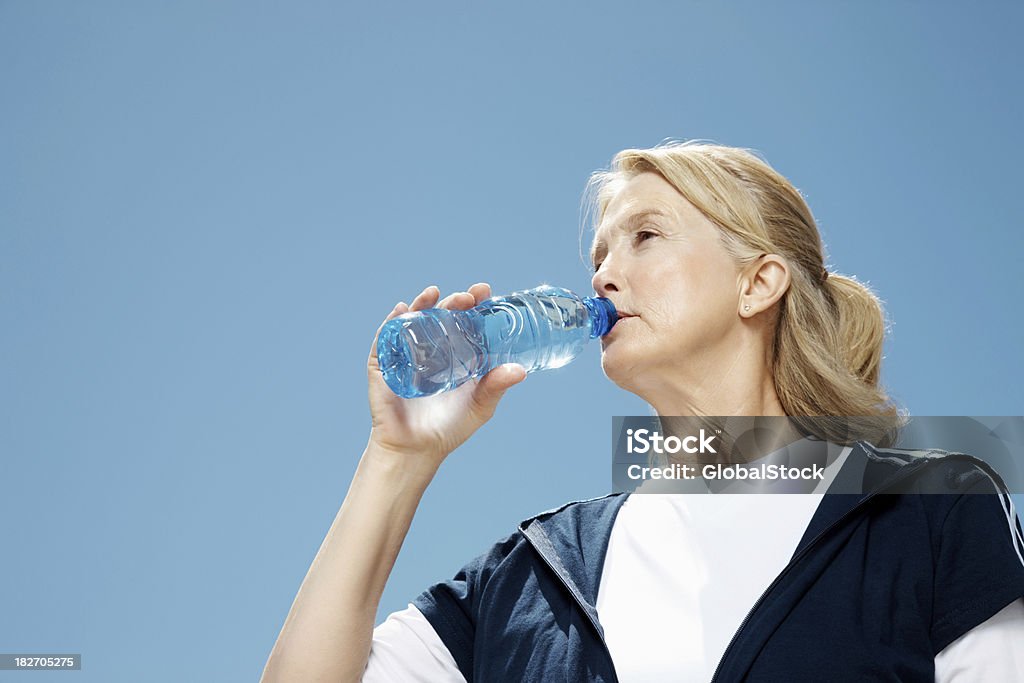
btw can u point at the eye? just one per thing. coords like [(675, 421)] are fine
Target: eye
[(638, 237)]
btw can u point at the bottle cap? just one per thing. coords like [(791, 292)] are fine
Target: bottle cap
[(603, 315)]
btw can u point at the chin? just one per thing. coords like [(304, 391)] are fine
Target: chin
[(634, 369), (619, 368)]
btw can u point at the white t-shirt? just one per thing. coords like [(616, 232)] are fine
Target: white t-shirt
[(689, 568)]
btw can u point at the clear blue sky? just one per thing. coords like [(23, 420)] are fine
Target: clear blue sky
[(207, 208)]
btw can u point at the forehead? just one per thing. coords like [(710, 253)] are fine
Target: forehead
[(646, 195)]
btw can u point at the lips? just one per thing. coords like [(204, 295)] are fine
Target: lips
[(623, 313), (622, 318)]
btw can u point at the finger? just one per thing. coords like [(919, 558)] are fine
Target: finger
[(492, 387), (480, 291), (400, 308), (458, 301), (425, 299)]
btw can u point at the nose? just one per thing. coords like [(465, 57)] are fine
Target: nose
[(605, 279)]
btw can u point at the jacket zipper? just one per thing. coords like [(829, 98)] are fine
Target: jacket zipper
[(799, 556), (579, 601)]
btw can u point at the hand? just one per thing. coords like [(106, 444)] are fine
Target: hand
[(431, 427)]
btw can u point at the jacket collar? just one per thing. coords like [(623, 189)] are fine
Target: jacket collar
[(573, 540)]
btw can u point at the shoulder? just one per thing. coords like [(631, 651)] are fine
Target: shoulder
[(585, 512), (930, 471), (974, 525), (958, 494)]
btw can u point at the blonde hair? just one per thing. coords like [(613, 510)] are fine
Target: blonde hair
[(826, 352)]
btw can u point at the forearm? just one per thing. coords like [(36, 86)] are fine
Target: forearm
[(327, 634)]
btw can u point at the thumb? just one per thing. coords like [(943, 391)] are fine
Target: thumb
[(493, 386)]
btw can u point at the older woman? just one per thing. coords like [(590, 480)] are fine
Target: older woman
[(715, 264)]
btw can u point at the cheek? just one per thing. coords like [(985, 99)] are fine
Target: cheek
[(700, 300), (674, 295)]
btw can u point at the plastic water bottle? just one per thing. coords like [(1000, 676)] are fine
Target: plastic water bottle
[(422, 353)]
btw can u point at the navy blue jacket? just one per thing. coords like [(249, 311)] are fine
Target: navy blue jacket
[(878, 585)]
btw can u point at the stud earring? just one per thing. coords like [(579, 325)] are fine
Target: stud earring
[(746, 307)]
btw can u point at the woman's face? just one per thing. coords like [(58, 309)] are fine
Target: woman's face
[(677, 290)]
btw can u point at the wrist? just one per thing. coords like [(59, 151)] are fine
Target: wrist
[(399, 465)]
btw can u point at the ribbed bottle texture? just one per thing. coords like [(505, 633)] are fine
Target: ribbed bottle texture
[(426, 352)]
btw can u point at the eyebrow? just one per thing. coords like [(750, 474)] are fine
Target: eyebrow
[(600, 248)]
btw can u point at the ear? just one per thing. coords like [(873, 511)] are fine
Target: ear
[(763, 283)]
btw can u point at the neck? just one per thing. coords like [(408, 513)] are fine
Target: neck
[(702, 388)]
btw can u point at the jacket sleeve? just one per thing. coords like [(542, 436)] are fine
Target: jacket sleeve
[(979, 566), (452, 607)]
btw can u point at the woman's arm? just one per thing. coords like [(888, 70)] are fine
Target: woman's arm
[(327, 633), (326, 636)]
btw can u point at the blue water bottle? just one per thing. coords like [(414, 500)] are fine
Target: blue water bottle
[(426, 352)]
